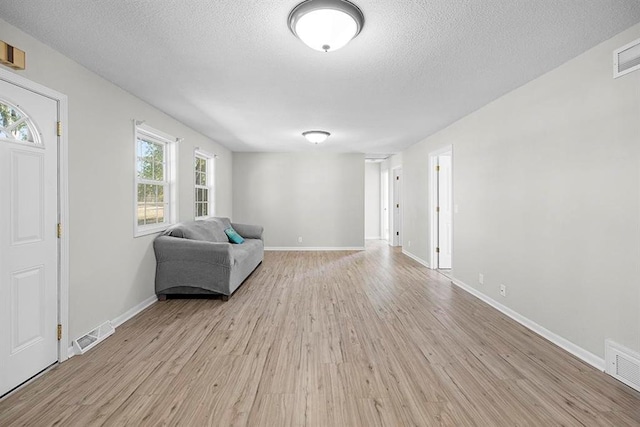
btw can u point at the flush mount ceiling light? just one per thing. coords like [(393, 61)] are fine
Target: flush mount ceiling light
[(316, 136), (326, 25)]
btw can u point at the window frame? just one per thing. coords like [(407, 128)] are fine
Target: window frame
[(210, 186), (170, 162)]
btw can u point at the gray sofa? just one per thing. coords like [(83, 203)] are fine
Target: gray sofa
[(196, 258)]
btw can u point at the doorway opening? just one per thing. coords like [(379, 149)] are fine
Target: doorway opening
[(372, 195), (441, 209)]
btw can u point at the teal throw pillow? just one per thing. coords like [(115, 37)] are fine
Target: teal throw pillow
[(233, 236)]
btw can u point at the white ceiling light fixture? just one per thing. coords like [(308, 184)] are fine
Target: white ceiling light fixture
[(326, 25), (316, 136)]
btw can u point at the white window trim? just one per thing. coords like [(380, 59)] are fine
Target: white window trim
[(211, 167), (171, 143)]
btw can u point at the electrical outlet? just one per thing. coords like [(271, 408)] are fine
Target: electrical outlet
[(481, 278), (299, 239), (503, 290)]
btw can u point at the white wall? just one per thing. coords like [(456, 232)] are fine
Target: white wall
[(372, 200), (317, 196), (111, 271), (547, 181)]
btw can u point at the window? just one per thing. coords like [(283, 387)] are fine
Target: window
[(204, 192), (155, 206), (16, 126)]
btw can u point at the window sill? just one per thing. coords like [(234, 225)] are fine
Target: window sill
[(139, 232)]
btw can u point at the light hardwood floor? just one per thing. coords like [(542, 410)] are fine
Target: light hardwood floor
[(326, 339)]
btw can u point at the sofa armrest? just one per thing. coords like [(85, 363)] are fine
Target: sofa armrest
[(248, 231), (169, 248)]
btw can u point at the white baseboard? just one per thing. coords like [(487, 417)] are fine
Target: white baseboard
[(123, 318), (133, 311), (415, 258), (579, 352), (305, 249)]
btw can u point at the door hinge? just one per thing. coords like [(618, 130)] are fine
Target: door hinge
[(59, 332), (59, 128), (397, 233), (397, 205), (438, 168), (397, 178), (437, 250), (59, 230), (438, 209)]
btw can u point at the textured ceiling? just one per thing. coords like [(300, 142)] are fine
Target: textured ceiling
[(232, 69)]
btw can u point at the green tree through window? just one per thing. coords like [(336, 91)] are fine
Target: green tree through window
[(152, 184)]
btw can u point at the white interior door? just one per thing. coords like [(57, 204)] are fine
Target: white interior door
[(397, 207), (28, 234), (445, 211), (384, 187)]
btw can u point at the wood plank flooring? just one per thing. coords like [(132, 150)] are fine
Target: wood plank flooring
[(365, 338)]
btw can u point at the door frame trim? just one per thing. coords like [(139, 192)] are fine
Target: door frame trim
[(63, 200), (433, 202)]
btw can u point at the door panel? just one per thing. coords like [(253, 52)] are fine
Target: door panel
[(28, 239), (27, 300), (27, 213)]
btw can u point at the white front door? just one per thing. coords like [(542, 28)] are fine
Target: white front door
[(28, 234), (445, 214)]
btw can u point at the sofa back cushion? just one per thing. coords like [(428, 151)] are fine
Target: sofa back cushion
[(210, 230), (224, 222)]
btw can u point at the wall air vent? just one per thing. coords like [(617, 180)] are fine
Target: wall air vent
[(623, 364), (626, 59), (91, 339)]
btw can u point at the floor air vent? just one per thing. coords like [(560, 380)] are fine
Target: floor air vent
[(626, 59), (91, 339), (623, 364)]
